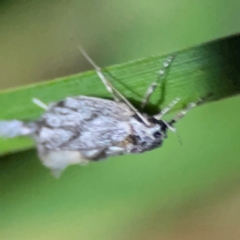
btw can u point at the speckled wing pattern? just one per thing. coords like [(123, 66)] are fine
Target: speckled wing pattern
[(82, 124)]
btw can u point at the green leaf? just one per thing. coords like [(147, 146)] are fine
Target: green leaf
[(211, 70)]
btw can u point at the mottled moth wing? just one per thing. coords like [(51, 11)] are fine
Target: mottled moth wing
[(79, 129)]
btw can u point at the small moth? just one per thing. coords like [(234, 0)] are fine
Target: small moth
[(80, 129)]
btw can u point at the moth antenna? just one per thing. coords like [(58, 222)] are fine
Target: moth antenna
[(111, 88), (84, 53)]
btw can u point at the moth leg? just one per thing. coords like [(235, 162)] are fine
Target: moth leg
[(167, 63), (100, 154), (182, 113), (95, 154), (166, 109), (39, 103)]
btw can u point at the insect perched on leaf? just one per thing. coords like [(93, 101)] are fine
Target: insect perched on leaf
[(80, 129)]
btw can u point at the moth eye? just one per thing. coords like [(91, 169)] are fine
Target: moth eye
[(157, 134)]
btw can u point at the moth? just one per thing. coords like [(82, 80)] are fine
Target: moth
[(82, 129)]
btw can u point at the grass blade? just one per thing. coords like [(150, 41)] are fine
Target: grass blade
[(209, 69)]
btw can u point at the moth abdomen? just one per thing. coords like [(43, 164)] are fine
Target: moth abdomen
[(16, 128)]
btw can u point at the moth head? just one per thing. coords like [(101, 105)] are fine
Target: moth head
[(148, 137)]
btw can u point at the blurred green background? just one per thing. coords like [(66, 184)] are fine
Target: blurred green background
[(188, 191)]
